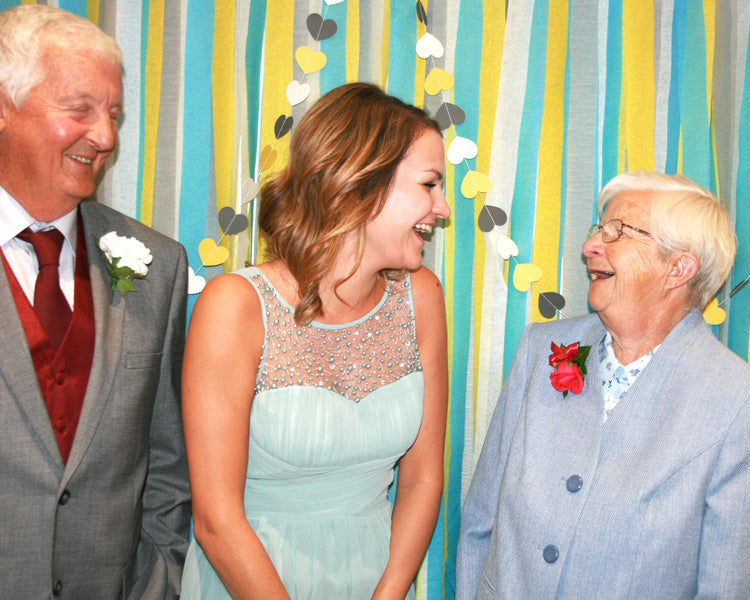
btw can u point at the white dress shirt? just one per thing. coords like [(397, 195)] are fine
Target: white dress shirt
[(21, 256)]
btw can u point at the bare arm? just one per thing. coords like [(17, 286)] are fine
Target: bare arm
[(222, 352), (420, 475)]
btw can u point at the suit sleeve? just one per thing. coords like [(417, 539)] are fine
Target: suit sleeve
[(724, 564), (160, 555), (480, 508)]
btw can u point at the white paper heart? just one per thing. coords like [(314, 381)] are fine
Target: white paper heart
[(428, 45), (461, 148), (332, 2), (506, 247), (196, 283), (297, 92), (250, 189)]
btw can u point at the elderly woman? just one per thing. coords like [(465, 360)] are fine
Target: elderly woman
[(623, 472)]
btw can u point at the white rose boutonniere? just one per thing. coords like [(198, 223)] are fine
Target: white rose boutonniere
[(127, 259)]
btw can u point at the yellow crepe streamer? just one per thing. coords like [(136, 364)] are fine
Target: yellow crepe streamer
[(154, 54)]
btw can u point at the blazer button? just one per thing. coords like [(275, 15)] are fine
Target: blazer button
[(57, 589), (64, 497), (574, 483), (550, 553)]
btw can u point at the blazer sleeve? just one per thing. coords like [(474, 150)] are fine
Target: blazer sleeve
[(157, 566), (480, 508), (724, 559)]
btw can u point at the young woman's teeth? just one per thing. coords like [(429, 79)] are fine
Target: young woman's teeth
[(423, 228)]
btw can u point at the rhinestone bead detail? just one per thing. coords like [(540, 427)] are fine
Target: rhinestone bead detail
[(352, 360)]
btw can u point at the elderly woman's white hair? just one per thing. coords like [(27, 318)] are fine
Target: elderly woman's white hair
[(27, 32), (684, 217)]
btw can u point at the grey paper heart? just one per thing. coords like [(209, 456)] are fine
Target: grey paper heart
[(491, 217), (282, 126), (550, 303), (449, 114), (320, 28), (231, 222)]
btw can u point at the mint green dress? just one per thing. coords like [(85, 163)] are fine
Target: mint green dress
[(335, 407)]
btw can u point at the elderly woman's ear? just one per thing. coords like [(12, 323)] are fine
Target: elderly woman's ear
[(683, 266)]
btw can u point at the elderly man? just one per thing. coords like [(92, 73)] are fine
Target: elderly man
[(94, 495), (617, 463)]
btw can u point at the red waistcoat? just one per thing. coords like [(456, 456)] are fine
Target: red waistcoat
[(62, 375)]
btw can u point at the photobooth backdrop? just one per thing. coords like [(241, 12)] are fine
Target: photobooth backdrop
[(542, 102)]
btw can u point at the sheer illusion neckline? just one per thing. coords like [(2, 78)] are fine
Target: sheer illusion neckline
[(378, 306)]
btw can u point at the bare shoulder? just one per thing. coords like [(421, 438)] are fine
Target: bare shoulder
[(429, 302), (228, 303), (426, 288)]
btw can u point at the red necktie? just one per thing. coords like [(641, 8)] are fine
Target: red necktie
[(50, 305)]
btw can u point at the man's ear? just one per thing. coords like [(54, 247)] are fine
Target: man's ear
[(683, 266), (5, 105)]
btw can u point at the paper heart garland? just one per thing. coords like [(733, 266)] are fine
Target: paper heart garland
[(713, 313), (428, 45), (230, 222), (282, 126), (461, 148), (250, 189), (449, 114), (421, 12), (267, 157), (320, 28), (211, 254), (438, 80), (491, 217), (475, 182), (524, 275), (308, 60), (196, 283), (506, 247), (549, 303), (297, 92)]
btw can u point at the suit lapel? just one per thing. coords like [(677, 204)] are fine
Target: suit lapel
[(17, 368), (109, 314), (644, 407)]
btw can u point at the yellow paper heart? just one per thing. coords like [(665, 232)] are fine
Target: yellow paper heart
[(524, 274), (713, 314), (473, 183), (308, 60), (211, 254), (267, 157), (437, 80)]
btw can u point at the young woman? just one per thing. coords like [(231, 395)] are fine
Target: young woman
[(307, 378)]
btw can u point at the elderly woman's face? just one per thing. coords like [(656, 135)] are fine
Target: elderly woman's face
[(627, 274)]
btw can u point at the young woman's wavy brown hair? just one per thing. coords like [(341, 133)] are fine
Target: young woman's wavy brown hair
[(343, 158)]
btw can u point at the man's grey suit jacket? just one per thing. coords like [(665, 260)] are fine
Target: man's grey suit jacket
[(652, 504), (113, 522)]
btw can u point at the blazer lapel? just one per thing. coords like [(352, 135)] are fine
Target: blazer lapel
[(644, 408), (109, 314), (18, 371)]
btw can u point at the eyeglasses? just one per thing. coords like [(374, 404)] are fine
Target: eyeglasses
[(612, 230)]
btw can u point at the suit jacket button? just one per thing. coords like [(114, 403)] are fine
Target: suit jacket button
[(64, 497), (57, 589), (574, 483), (550, 553)]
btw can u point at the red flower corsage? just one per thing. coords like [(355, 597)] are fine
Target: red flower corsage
[(569, 367)]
